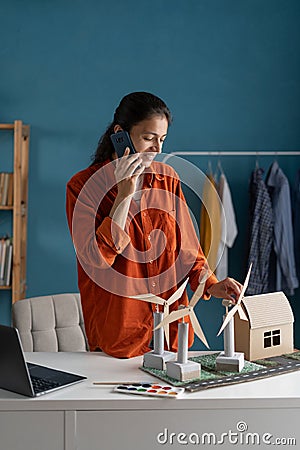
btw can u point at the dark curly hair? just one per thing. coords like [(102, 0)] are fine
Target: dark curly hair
[(133, 108)]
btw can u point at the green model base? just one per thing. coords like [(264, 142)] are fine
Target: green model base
[(208, 371), (211, 378)]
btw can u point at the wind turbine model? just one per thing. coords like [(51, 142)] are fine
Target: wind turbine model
[(157, 358), (182, 369), (229, 360)]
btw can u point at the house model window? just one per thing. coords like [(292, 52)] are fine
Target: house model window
[(271, 338)]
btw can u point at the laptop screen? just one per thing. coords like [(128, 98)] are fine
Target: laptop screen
[(18, 376)]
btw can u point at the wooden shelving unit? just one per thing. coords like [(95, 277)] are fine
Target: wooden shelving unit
[(19, 209)]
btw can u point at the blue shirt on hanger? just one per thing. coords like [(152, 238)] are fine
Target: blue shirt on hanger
[(279, 190), (296, 221)]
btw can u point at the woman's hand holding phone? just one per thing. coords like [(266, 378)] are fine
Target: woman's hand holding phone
[(128, 168)]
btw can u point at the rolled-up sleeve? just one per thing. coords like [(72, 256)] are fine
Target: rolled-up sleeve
[(98, 249), (111, 238)]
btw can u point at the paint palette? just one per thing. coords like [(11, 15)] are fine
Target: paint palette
[(150, 389)]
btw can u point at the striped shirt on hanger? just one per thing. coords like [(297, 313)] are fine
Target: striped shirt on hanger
[(261, 234)]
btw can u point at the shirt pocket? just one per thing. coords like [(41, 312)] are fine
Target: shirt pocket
[(168, 226)]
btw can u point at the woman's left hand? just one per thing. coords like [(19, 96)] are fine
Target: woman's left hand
[(228, 288)]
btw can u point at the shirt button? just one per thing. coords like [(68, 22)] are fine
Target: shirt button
[(153, 284), (151, 261)]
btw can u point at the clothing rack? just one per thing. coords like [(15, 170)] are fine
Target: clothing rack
[(233, 153)]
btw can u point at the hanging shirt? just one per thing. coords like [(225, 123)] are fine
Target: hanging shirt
[(296, 221), (210, 221), (278, 186), (228, 228), (260, 234), (154, 254)]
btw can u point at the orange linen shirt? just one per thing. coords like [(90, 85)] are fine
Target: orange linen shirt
[(155, 253)]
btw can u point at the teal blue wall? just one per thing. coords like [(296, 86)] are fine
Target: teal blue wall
[(229, 70)]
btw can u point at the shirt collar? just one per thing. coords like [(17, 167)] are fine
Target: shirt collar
[(151, 173)]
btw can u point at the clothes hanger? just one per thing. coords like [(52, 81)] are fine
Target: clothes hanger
[(219, 170), (257, 161), (210, 170), (219, 166)]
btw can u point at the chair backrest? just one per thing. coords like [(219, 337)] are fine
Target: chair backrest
[(52, 323)]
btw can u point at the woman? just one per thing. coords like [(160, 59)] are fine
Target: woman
[(133, 234)]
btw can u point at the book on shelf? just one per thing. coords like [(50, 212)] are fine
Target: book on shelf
[(8, 266), (10, 190), (2, 257), (5, 260), (6, 188)]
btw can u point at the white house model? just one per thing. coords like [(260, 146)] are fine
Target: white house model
[(269, 328)]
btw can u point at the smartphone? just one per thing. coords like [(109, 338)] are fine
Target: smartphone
[(120, 141)]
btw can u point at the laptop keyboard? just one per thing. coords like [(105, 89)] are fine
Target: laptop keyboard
[(41, 385)]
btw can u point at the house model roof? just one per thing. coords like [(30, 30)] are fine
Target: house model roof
[(267, 310)]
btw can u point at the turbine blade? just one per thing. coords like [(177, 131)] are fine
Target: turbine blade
[(148, 298), (246, 282), (242, 313), (197, 294), (166, 310), (174, 315), (197, 328), (228, 318), (166, 327), (177, 294)]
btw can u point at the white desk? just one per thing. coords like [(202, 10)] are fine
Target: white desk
[(88, 417)]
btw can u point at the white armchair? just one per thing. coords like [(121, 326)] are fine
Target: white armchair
[(52, 323)]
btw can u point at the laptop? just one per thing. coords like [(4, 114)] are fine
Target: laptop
[(24, 378)]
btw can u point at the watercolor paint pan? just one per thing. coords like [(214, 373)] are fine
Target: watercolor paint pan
[(161, 390)]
